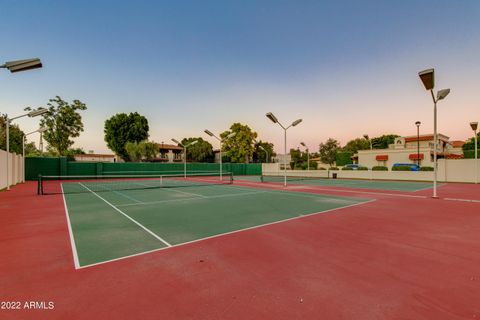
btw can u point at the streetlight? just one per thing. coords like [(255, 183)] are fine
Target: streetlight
[(274, 119), (31, 114), (231, 135), (22, 65), (266, 153), (185, 154), (41, 130), (428, 79), (308, 155), (18, 66), (418, 123), (474, 126), (368, 139)]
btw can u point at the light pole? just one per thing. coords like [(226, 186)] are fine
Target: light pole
[(18, 66), (274, 119), (474, 126), (428, 78), (308, 155), (185, 154), (418, 123), (41, 130), (266, 153), (231, 135), (31, 114), (368, 139)]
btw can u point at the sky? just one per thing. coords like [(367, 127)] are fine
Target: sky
[(347, 68)]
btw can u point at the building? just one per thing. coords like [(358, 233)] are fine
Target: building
[(95, 157), (168, 153), (411, 149)]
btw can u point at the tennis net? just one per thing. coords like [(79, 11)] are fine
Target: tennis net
[(106, 183), (295, 176)]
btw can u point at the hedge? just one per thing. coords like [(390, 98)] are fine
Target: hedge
[(379, 168), (343, 158), (333, 168), (401, 168), (362, 168), (426, 169), (347, 168)]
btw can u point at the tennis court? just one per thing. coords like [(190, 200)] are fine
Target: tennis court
[(408, 186), (117, 218)]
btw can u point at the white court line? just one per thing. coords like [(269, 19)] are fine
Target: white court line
[(227, 233), (127, 216), (170, 189), (187, 199), (72, 239), (121, 194), (314, 188), (463, 200)]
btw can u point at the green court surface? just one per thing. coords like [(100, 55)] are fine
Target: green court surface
[(110, 225), (409, 186)]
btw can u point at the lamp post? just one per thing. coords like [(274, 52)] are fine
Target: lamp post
[(266, 153), (474, 126), (428, 79), (17, 66), (274, 119), (185, 154), (231, 135), (418, 123), (308, 155), (370, 141), (31, 114), (41, 130)]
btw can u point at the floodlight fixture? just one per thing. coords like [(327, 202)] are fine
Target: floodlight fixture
[(22, 65), (303, 144), (474, 125), (37, 112), (193, 142), (366, 137), (272, 117), (294, 123), (176, 141), (418, 123), (231, 135), (209, 133), (442, 94), (428, 78), (262, 148)]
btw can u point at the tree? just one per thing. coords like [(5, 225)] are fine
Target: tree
[(202, 151), (31, 150), (143, 150), (383, 141), (328, 151), (122, 128), (72, 152), (470, 143), (260, 155), (357, 144), (16, 136), (63, 122), (239, 148)]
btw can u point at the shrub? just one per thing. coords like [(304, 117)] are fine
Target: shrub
[(322, 168), (426, 169), (401, 168), (343, 158), (333, 168), (362, 168), (379, 168), (346, 168)]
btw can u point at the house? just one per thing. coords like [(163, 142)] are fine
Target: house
[(411, 149), (95, 157), (168, 153)]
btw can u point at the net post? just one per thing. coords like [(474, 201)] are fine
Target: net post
[(262, 179), (39, 185), (231, 177)]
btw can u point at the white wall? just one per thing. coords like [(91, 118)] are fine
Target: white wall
[(461, 170), (15, 171)]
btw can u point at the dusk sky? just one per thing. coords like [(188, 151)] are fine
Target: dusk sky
[(345, 67)]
